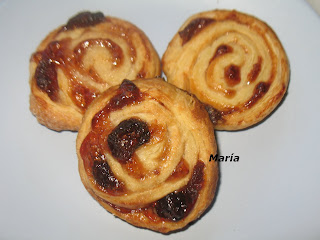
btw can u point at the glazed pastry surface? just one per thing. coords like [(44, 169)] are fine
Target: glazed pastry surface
[(144, 148), (231, 61), (81, 59)]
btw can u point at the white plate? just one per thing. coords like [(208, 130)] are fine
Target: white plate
[(271, 193)]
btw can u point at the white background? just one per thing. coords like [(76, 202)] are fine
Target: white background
[(271, 193)]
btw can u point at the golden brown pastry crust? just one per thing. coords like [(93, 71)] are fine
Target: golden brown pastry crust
[(81, 59), (231, 61), (173, 157)]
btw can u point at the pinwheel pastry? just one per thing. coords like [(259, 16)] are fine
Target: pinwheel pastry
[(81, 59), (231, 61), (144, 148)]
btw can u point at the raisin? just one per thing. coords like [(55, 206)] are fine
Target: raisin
[(127, 137), (84, 19), (46, 72), (46, 78), (178, 204), (173, 206), (104, 176)]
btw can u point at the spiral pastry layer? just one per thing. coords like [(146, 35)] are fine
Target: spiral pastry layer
[(81, 59), (144, 148), (231, 61)]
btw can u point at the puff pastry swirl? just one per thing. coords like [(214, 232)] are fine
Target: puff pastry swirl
[(81, 59), (231, 61), (144, 150)]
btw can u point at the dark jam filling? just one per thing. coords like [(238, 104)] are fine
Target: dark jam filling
[(193, 28), (232, 75), (127, 137), (84, 19), (105, 178), (46, 74), (221, 50), (260, 90), (178, 204), (46, 78), (255, 71)]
